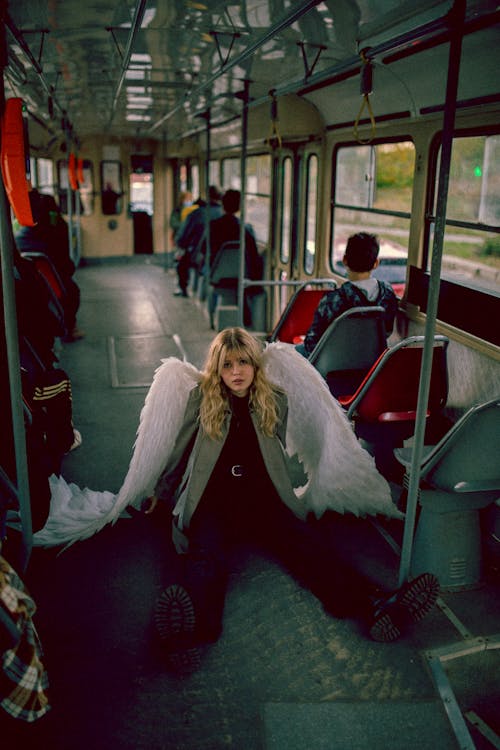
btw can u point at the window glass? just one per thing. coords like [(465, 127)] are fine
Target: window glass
[(373, 193), (471, 245), (195, 181), (258, 195), (44, 175), (86, 187), (286, 197), (214, 173), (111, 187), (311, 213), (183, 178), (231, 174)]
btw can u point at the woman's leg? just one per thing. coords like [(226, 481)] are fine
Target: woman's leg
[(306, 549), (189, 611)]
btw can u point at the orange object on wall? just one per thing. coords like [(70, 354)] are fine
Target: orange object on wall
[(15, 161), (73, 180)]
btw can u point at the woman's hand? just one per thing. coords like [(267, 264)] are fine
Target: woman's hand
[(149, 504), (180, 540)]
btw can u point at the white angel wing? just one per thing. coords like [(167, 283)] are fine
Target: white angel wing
[(342, 475), (77, 514)]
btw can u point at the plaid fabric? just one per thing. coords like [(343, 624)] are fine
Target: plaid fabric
[(23, 679)]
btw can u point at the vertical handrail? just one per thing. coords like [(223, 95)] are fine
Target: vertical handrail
[(243, 171), (12, 345), (457, 16), (206, 265)]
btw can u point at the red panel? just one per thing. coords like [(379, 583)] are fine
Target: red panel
[(73, 181), (14, 160)]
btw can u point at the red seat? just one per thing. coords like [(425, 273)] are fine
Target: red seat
[(298, 314), (383, 409), (389, 392)]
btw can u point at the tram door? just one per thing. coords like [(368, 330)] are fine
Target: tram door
[(284, 230), (141, 202), (297, 206)]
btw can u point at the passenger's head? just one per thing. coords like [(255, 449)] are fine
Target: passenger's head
[(42, 207), (185, 198), (213, 194), (361, 253), (231, 201), (234, 367), (229, 343)]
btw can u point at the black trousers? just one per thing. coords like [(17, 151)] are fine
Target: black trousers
[(239, 512), (183, 266)]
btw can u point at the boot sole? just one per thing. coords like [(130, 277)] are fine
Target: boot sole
[(418, 597), (175, 621), (413, 602)]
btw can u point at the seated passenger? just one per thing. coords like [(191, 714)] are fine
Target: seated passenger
[(227, 229), (50, 236), (361, 289), (189, 236)]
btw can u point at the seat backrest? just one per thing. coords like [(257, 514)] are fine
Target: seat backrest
[(47, 269), (297, 316), (225, 269), (390, 390), (466, 458), (44, 309), (349, 347)]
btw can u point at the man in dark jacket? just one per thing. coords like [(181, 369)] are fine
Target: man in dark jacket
[(189, 236), (227, 229)]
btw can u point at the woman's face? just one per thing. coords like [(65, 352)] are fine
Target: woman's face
[(237, 373)]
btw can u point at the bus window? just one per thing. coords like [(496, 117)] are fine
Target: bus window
[(87, 187), (258, 195), (311, 213), (111, 187), (372, 193), (195, 181), (286, 205), (214, 172), (231, 174), (44, 175), (471, 245)]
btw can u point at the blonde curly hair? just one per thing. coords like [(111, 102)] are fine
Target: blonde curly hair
[(215, 395)]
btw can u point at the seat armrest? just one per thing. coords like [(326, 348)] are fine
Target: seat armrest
[(478, 486)]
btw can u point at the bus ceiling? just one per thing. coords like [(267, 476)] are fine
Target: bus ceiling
[(155, 67)]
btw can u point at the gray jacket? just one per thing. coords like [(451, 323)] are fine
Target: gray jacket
[(194, 456)]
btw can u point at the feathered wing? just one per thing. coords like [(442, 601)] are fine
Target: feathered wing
[(76, 514), (342, 476)]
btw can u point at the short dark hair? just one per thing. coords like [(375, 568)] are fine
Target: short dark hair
[(361, 251), (231, 201), (213, 194)]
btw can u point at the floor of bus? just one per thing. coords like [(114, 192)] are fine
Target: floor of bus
[(284, 675)]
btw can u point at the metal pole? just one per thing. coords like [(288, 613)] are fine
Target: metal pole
[(12, 346), (76, 252), (243, 172), (457, 16), (206, 270), (14, 369)]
